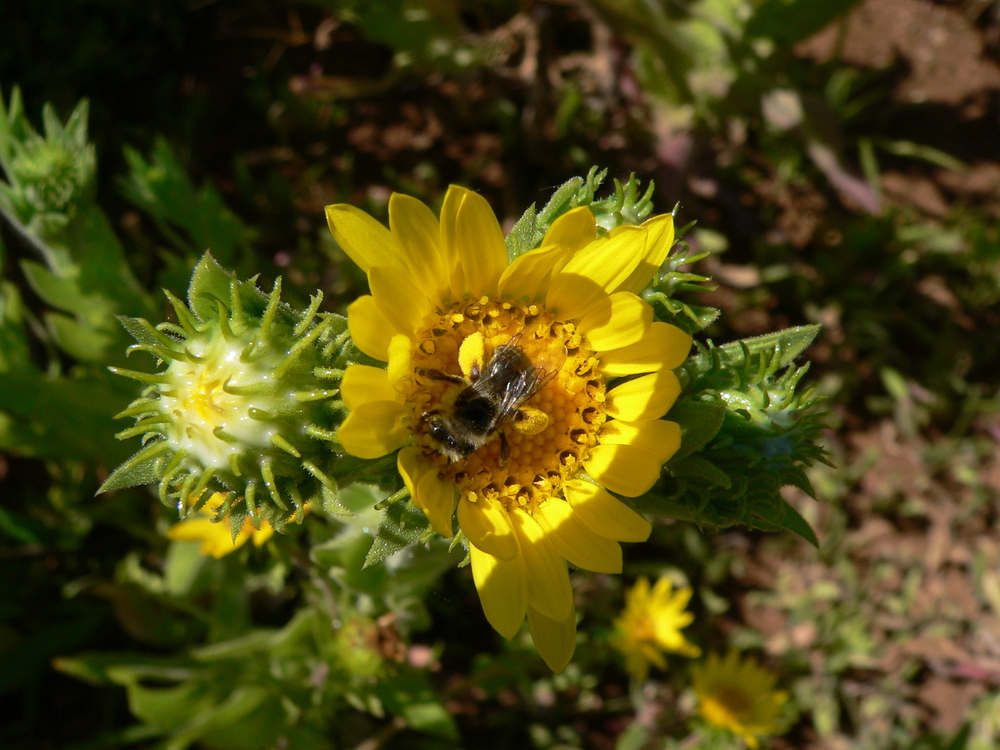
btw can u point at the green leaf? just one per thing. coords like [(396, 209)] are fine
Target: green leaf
[(209, 282), (701, 469), (793, 521), (699, 421), (786, 344), (787, 22), (401, 526), (410, 696)]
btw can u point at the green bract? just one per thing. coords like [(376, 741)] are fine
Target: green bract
[(245, 404)]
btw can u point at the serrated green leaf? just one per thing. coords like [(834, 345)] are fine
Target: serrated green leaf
[(786, 344), (699, 421), (125, 476), (401, 526), (696, 467), (524, 235), (793, 521), (209, 282)]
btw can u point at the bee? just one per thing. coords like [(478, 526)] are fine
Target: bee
[(490, 398)]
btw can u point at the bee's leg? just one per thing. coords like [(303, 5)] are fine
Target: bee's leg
[(441, 375), (504, 449), (530, 421)]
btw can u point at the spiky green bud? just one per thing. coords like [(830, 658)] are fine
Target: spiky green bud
[(245, 405)]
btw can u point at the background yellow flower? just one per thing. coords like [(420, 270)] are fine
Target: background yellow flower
[(651, 626), (738, 695), (216, 537)]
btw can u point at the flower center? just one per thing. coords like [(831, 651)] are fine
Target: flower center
[(728, 705), (518, 465)]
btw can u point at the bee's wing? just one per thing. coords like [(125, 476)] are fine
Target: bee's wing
[(512, 376)]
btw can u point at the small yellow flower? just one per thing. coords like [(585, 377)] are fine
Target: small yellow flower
[(533, 496), (738, 695), (651, 624), (215, 536)]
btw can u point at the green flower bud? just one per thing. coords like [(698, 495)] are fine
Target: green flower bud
[(245, 404)]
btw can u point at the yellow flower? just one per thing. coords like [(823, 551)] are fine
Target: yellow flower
[(651, 624), (215, 536), (738, 695), (532, 493)]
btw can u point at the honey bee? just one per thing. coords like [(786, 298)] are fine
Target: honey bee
[(491, 398)]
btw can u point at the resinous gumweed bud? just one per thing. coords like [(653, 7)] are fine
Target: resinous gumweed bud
[(245, 403)]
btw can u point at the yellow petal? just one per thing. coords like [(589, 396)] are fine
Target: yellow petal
[(574, 230), (418, 235), (646, 397), (400, 355), (657, 437), (623, 469), (528, 274), (369, 328), (664, 347), (658, 244), (604, 513), (365, 241), (401, 301), (615, 321), (486, 524), (555, 640), (575, 541), (548, 583), (596, 270), (374, 429), (453, 199), (475, 237), (362, 384), (503, 590), (436, 497), (411, 468)]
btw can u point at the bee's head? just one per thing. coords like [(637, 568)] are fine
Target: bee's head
[(444, 433)]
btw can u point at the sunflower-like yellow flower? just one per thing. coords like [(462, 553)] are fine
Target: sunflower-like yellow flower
[(651, 625), (738, 695), (531, 492), (215, 536)]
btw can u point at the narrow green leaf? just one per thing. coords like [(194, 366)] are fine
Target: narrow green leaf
[(401, 526)]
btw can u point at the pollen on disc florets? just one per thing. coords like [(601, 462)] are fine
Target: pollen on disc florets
[(572, 398), (244, 406)]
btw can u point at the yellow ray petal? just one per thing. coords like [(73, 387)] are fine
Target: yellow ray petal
[(401, 301), (604, 513), (503, 590), (365, 241), (615, 321), (646, 397), (622, 469), (664, 347), (575, 541), (374, 429), (548, 580), (400, 356), (486, 524), (596, 270), (475, 237), (574, 230), (555, 640), (436, 497), (369, 328), (528, 275), (656, 437), (362, 384), (658, 244), (418, 235)]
